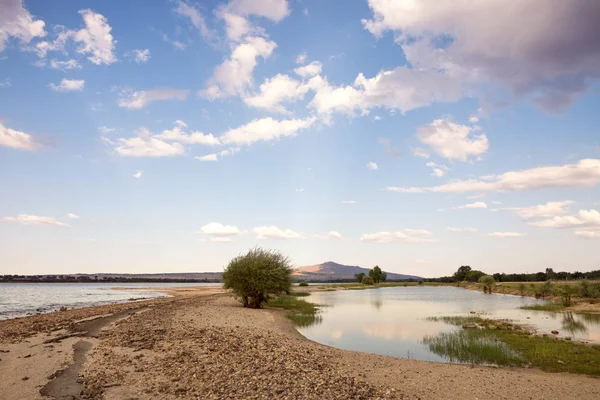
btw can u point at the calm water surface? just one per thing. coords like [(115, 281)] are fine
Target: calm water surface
[(392, 321), (21, 299)]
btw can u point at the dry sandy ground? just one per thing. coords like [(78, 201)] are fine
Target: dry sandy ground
[(209, 347)]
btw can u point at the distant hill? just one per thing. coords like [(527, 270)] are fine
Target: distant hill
[(332, 271)]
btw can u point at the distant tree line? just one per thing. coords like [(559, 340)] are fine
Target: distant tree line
[(465, 273), (87, 279)]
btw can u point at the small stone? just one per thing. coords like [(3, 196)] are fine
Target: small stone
[(560, 361), (554, 332)]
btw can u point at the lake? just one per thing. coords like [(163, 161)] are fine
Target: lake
[(21, 299), (394, 321)]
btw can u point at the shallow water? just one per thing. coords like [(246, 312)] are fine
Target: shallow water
[(393, 321), (21, 299)]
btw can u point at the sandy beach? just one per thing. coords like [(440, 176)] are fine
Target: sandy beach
[(201, 344)]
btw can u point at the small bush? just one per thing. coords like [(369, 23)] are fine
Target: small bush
[(303, 283), (420, 281), (566, 292), (522, 289), (488, 283), (367, 280)]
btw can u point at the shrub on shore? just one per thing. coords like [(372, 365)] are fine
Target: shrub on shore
[(488, 283), (303, 283), (367, 280), (258, 275)]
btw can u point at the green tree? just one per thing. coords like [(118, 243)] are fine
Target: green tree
[(522, 289), (461, 274), (550, 274), (367, 280), (474, 275), (375, 274), (584, 288), (359, 277), (258, 275), (488, 283), (566, 292), (383, 276)]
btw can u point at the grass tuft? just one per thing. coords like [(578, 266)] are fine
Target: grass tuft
[(544, 307)]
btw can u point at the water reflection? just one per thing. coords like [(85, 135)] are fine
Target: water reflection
[(393, 321)]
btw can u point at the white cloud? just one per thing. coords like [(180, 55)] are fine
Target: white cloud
[(196, 19), (473, 119), (95, 39), (547, 210), (265, 129), (300, 190), (72, 216), (63, 35), (452, 141), (420, 152), (348, 202), (139, 56), (585, 173), (312, 69), (372, 166), (220, 232), (402, 89), (138, 174), (275, 10), (234, 75), (408, 236), (145, 145), (330, 235), (64, 65), (140, 99), (180, 123), (208, 157), (178, 135), (26, 219), (273, 232), (477, 204), (229, 152), (105, 130), (586, 223), (548, 54), (17, 139), (438, 170), (5, 83), (505, 234), (465, 230), (301, 58), (496, 202), (274, 91), (18, 23), (588, 234), (68, 85)]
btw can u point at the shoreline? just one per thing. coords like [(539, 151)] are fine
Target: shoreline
[(200, 344)]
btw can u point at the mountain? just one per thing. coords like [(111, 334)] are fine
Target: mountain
[(332, 271)]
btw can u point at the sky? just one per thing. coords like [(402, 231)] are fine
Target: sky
[(171, 136)]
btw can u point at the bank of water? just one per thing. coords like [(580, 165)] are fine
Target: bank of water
[(22, 299), (398, 321)]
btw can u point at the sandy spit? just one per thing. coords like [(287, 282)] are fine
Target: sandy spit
[(209, 347)]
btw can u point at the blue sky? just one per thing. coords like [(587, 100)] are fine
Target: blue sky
[(170, 136)]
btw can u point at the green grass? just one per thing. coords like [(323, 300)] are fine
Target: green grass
[(498, 342), (302, 313), (545, 307), (474, 346)]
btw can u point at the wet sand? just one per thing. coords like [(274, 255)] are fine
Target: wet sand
[(204, 345)]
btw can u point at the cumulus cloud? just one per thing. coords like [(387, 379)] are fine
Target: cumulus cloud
[(505, 234), (265, 129), (301, 58), (420, 152), (234, 75), (145, 145), (95, 39), (72, 216), (26, 219), (547, 210), (105, 130), (208, 157), (17, 139), (275, 91), (275, 10), (140, 99), (585, 173), (16, 22), (68, 85), (586, 223), (273, 232), (477, 204), (312, 69), (451, 140), (549, 54), (139, 56), (372, 166), (330, 235), (220, 232), (438, 169), (138, 174), (348, 202), (177, 134), (413, 236), (64, 65)]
